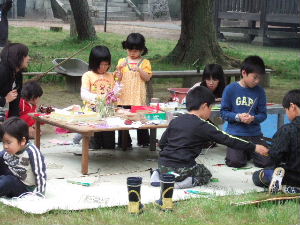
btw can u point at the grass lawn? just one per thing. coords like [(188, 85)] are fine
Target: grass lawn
[(194, 211), (46, 45)]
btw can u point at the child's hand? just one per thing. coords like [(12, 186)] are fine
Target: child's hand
[(12, 95), (246, 118), (135, 68), (121, 66), (260, 149)]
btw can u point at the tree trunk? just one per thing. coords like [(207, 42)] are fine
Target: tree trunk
[(198, 36), (84, 26)]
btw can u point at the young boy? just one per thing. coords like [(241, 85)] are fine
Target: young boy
[(22, 166), (284, 151), (30, 97), (244, 107), (187, 135)]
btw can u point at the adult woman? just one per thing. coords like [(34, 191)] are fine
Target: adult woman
[(14, 60)]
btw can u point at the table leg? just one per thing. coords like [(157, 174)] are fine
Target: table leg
[(37, 137), (85, 155), (280, 120), (152, 146), (125, 134)]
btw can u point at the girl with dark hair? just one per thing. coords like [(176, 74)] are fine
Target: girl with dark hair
[(133, 72), (95, 83), (30, 98), (14, 60), (213, 78)]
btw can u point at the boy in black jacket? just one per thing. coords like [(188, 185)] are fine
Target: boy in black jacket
[(284, 151), (187, 135)]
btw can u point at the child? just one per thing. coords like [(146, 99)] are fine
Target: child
[(188, 134), (22, 166), (214, 79), (244, 107), (284, 151), (133, 72), (95, 83), (30, 97)]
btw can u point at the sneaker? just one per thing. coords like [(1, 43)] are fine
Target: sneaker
[(290, 190), (275, 185)]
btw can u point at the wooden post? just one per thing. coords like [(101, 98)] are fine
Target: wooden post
[(262, 37), (37, 137)]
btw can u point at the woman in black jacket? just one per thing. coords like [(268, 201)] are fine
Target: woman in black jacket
[(14, 60)]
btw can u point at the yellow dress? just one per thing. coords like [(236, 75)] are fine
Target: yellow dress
[(134, 87)]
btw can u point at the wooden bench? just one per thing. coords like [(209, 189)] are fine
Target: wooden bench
[(190, 77)]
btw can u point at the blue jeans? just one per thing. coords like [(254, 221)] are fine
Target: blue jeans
[(10, 185), (263, 177)]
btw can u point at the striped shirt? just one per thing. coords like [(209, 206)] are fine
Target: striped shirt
[(29, 166)]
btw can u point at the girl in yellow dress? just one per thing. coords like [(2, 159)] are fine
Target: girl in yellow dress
[(133, 72)]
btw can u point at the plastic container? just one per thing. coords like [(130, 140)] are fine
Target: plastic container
[(156, 116), (178, 94)]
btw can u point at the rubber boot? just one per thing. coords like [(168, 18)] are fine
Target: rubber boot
[(134, 189), (166, 192)]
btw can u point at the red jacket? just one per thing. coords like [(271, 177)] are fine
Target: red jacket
[(25, 108)]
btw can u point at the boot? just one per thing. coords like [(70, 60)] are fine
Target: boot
[(134, 188), (166, 192)]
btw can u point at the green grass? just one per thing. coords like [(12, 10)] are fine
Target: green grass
[(193, 211), (46, 45)]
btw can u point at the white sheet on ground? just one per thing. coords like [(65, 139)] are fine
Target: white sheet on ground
[(64, 165)]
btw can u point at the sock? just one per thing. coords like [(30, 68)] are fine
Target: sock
[(154, 179), (186, 183)]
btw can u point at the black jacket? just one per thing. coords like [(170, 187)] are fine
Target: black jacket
[(7, 78), (187, 135), (285, 151), (4, 8)]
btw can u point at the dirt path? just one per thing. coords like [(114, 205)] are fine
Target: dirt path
[(159, 30)]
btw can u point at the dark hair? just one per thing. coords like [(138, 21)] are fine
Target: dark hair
[(253, 64), (99, 54), (135, 41), (16, 127), (216, 72), (293, 96), (13, 55), (31, 90), (198, 96)]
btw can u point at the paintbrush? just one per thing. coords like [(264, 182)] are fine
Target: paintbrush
[(252, 106)]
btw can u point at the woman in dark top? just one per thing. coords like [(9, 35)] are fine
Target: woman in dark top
[(14, 60)]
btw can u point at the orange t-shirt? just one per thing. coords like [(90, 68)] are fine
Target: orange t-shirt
[(99, 84), (134, 87)]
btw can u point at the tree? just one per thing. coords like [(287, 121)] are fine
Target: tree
[(198, 36), (84, 26)]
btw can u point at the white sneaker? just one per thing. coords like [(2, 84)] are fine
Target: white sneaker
[(290, 189), (275, 185)]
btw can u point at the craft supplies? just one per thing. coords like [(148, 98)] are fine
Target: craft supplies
[(86, 184), (196, 192)]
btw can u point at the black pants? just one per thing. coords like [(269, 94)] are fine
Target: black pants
[(143, 137), (239, 157), (10, 185), (105, 139)]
